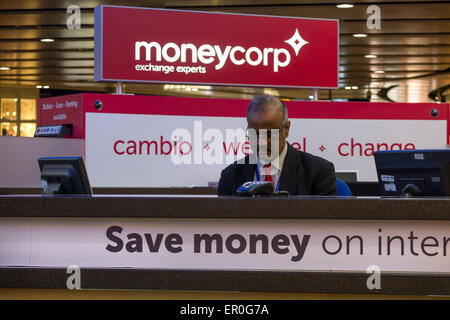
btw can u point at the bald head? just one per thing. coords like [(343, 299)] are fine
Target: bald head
[(265, 103), (269, 113)]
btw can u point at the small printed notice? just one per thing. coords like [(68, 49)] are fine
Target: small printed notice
[(386, 178), (390, 187)]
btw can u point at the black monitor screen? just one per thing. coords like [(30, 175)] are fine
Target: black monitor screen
[(413, 172), (64, 175)]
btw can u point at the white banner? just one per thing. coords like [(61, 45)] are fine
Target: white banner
[(227, 244), (128, 150)]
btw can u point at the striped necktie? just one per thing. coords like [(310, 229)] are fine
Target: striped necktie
[(267, 172)]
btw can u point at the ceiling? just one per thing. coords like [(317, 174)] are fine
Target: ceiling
[(412, 47)]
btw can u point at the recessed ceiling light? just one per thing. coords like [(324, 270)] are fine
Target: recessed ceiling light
[(47, 40), (194, 89), (39, 86), (348, 88), (360, 35), (370, 56), (4, 68), (344, 6), (46, 87), (311, 97), (354, 87), (379, 71)]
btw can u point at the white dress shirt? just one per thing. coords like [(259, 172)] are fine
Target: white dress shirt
[(276, 168)]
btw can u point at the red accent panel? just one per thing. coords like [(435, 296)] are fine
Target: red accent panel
[(62, 110), (271, 62), (209, 107)]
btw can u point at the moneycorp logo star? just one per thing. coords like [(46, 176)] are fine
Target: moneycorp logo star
[(296, 42)]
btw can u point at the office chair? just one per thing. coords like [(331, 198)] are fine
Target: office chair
[(343, 189)]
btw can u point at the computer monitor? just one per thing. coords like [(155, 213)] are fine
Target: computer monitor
[(413, 172), (347, 175), (64, 175)]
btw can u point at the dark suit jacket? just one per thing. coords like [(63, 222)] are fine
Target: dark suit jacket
[(303, 174)]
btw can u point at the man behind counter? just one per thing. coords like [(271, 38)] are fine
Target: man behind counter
[(291, 170)]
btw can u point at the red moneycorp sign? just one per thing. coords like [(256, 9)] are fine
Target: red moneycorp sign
[(191, 47)]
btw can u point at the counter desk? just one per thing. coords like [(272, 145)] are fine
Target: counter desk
[(288, 247)]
